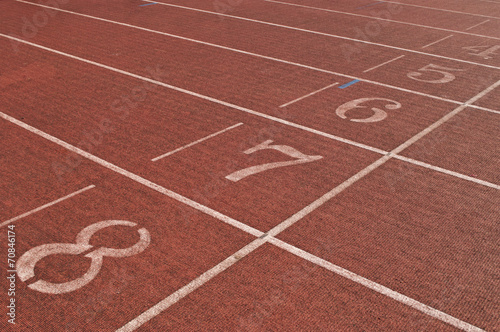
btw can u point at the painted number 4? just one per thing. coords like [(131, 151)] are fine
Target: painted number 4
[(485, 52), (288, 150)]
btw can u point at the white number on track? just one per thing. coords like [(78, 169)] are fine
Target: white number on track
[(485, 52), (431, 68), (378, 114), (288, 150), (26, 264)]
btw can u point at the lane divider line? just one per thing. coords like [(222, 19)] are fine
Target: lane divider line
[(10, 221), (308, 95), (196, 142)]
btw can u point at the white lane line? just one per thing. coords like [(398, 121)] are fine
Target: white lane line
[(335, 191), (217, 101), (241, 52), (196, 142), (189, 288), (383, 64), (474, 26), (308, 95), (324, 34), (249, 248), (441, 9), (10, 221), (382, 19), (328, 196), (134, 177), (485, 109), (437, 41), (376, 287), (448, 172), (272, 118)]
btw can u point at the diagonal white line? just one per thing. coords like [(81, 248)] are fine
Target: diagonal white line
[(308, 95), (444, 317), (10, 221), (437, 41), (241, 52), (270, 237), (446, 171), (196, 142), (135, 177), (325, 34), (191, 287), (243, 109), (441, 9), (382, 19), (383, 64), (198, 95), (475, 26)]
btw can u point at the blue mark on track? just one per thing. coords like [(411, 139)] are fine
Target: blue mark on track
[(348, 84), (147, 4)]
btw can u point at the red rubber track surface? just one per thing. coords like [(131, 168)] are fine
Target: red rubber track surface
[(250, 165)]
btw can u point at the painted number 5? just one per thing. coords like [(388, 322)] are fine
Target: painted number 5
[(430, 69), (288, 150)]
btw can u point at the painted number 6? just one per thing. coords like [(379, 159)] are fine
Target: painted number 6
[(378, 114), (431, 68)]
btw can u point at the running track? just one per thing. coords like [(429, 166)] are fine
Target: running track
[(250, 165)]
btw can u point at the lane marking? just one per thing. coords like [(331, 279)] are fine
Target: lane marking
[(444, 317), (241, 52), (5, 223), (27, 262), (134, 177), (323, 34), (148, 4), (272, 118), (198, 95), (383, 64), (196, 142), (383, 19), (348, 84), (437, 41), (474, 26), (308, 95), (448, 172), (191, 287), (443, 10), (367, 170), (152, 312)]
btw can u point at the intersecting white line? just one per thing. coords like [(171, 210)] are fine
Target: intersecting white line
[(376, 287), (135, 177), (243, 109), (270, 237)]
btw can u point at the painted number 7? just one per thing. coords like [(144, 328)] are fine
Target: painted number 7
[(288, 150), (431, 68)]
